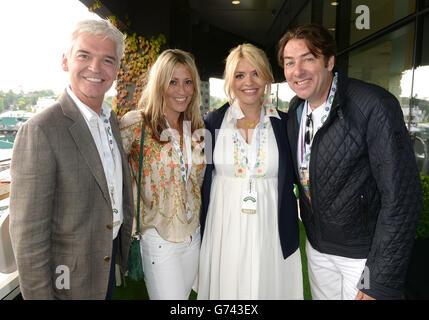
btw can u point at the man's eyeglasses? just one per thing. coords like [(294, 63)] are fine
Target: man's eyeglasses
[(308, 134)]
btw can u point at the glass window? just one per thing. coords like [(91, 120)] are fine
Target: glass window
[(303, 17), (420, 112), (217, 93), (425, 44), (281, 95), (381, 13), (384, 60), (330, 15)]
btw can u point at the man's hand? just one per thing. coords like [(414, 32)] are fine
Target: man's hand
[(363, 296)]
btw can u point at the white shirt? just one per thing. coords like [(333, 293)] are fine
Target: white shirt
[(112, 163), (316, 116)]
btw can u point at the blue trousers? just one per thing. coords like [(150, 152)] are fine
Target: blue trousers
[(111, 285)]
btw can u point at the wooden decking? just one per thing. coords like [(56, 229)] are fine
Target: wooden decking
[(4, 178), (4, 190)]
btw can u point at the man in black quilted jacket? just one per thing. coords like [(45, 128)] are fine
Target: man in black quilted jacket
[(359, 186)]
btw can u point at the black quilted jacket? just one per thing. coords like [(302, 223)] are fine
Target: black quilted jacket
[(365, 186)]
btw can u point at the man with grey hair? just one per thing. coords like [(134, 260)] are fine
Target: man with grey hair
[(71, 205)]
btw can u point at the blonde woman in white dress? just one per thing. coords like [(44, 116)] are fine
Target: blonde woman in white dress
[(249, 220)]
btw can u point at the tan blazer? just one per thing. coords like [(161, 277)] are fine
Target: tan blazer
[(60, 211)]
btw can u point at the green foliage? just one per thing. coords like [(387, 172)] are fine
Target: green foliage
[(281, 105), (423, 226), (304, 263), (140, 55), (136, 290), (2, 104), (216, 102), (21, 101)]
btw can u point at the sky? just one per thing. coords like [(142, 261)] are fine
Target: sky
[(33, 37)]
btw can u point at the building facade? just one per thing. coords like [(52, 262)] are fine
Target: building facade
[(384, 42)]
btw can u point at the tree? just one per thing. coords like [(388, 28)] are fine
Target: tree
[(216, 102), (1, 104), (10, 99)]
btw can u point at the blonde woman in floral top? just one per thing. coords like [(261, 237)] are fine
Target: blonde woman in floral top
[(172, 175)]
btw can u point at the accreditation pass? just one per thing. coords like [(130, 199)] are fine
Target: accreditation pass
[(249, 198)]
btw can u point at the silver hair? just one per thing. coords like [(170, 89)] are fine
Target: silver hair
[(100, 27)]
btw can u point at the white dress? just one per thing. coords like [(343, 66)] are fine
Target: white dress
[(241, 256)]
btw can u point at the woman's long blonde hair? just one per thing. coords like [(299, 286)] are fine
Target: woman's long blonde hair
[(152, 101), (257, 58)]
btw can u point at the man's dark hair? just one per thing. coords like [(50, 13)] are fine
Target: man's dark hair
[(318, 39)]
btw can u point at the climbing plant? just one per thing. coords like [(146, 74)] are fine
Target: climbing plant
[(140, 53)]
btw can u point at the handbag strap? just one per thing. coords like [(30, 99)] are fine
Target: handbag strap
[(139, 180)]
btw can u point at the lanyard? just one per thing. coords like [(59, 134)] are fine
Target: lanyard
[(252, 163), (306, 148), (187, 138), (108, 130)]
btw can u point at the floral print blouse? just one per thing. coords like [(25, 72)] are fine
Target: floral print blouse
[(163, 190)]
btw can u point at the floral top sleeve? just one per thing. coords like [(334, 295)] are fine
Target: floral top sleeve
[(163, 192)]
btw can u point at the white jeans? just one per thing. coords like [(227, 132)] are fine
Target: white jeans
[(333, 277), (169, 268)]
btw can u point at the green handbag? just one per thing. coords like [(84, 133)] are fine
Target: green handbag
[(135, 267)]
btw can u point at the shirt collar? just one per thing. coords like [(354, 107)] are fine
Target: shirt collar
[(86, 111), (271, 111), (236, 112)]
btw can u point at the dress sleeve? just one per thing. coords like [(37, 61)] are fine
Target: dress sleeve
[(128, 126)]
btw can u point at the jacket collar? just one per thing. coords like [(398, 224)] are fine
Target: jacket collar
[(85, 110), (82, 136), (236, 112)]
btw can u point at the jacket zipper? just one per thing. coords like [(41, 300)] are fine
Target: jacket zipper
[(313, 155)]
